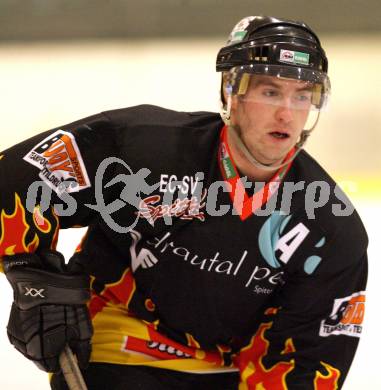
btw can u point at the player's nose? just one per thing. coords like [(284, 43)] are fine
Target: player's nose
[(284, 113)]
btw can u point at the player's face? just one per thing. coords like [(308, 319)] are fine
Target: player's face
[(271, 115)]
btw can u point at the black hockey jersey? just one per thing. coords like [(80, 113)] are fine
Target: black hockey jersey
[(190, 270)]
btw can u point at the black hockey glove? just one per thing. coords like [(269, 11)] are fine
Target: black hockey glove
[(49, 309)]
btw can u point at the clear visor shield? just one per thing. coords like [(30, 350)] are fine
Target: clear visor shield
[(281, 87)]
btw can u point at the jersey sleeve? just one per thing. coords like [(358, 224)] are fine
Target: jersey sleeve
[(309, 335), (47, 181)]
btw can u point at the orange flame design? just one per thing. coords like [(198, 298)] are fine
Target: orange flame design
[(328, 381), (288, 347), (272, 310), (42, 224), (254, 375), (14, 229), (118, 292), (192, 342)]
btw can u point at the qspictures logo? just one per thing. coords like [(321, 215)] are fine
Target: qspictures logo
[(60, 163), (346, 317)]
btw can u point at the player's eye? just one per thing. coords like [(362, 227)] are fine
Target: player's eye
[(270, 92), (303, 97)]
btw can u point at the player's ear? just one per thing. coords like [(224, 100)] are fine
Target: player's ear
[(223, 88)]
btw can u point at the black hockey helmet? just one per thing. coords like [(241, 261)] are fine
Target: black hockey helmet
[(267, 40)]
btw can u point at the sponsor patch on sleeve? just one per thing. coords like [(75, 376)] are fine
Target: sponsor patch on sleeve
[(60, 163), (346, 317)]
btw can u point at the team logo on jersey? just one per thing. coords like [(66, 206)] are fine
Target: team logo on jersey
[(60, 163), (346, 317), (152, 208), (271, 240), (278, 248), (185, 185)]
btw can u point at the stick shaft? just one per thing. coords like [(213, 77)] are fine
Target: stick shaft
[(71, 371)]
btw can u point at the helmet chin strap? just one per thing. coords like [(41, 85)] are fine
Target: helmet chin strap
[(225, 110), (267, 167)]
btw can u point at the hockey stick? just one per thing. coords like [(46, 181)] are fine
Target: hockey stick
[(70, 370)]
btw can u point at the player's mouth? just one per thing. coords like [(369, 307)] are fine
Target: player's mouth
[(279, 134)]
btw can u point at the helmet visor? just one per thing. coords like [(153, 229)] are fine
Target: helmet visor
[(293, 87)]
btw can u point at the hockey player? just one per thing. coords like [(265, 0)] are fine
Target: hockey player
[(245, 267)]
